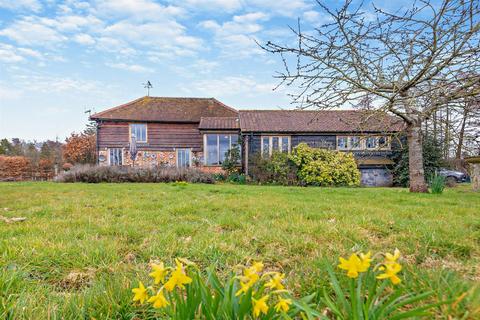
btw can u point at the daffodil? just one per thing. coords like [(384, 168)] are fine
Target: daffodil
[(140, 293), (283, 305), (392, 257), (159, 300), (276, 282), (244, 286), (257, 266), (353, 265), (390, 270), (365, 260), (260, 306), (159, 272), (177, 278), (247, 281)]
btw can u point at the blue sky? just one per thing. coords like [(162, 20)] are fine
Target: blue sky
[(60, 58)]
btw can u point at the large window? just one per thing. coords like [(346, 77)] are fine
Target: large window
[(184, 157), (363, 143), (217, 146), (115, 157), (139, 131), (275, 143)]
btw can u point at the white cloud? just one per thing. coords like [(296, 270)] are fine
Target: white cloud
[(213, 5), (31, 31), (32, 5), (162, 35), (11, 54), (237, 37), (83, 38), (8, 54), (141, 10), (130, 67), (50, 84), (229, 86), (288, 8)]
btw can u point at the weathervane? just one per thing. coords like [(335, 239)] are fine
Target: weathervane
[(147, 86)]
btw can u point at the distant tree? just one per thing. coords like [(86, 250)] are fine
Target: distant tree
[(412, 63), (6, 147)]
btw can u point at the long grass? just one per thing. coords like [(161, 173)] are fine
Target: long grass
[(82, 246)]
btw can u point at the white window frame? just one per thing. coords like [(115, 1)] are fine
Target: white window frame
[(270, 144), (376, 143), (347, 147), (388, 145), (363, 143), (218, 134), (130, 132), (110, 158), (189, 158)]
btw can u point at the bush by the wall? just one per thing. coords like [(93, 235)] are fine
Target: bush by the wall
[(97, 174), (278, 169), (323, 167)]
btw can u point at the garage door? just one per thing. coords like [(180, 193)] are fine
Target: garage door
[(376, 178)]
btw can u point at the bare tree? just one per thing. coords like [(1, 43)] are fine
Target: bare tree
[(409, 61)]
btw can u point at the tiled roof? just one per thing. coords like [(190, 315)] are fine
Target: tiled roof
[(317, 121), (219, 123), (166, 109)]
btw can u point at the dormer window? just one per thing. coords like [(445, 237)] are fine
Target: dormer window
[(139, 131)]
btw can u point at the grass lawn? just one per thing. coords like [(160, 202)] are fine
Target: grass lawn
[(83, 245)]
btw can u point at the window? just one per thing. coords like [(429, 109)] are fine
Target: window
[(371, 143), (383, 142), (217, 146), (116, 157), (342, 143), (355, 143), (184, 158), (363, 143), (275, 143), (139, 131)]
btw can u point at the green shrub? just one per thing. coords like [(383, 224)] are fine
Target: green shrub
[(236, 177), (232, 160), (323, 167), (278, 169), (97, 174), (432, 160), (437, 184)]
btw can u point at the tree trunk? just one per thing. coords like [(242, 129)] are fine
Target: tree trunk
[(415, 158), (458, 153)]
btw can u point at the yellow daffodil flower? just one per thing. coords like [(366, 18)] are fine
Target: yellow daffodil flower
[(276, 282), (260, 306), (177, 278), (159, 272), (392, 258), (244, 286), (140, 293), (390, 270), (257, 266), (352, 265), (159, 300), (283, 305), (365, 260)]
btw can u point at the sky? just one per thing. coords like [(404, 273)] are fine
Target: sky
[(59, 59)]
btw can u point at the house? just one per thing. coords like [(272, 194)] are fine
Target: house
[(186, 132)]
